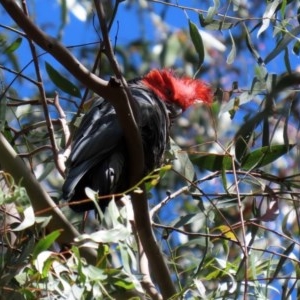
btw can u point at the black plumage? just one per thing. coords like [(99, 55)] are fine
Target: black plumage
[(99, 157)]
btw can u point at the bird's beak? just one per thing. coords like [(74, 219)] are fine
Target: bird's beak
[(174, 110)]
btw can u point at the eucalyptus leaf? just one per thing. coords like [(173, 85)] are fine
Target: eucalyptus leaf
[(62, 82), (44, 243), (269, 12), (29, 219), (283, 259), (215, 24), (264, 156), (282, 44), (197, 41), (14, 45), (119, 233), (213, 162), (232, 54)]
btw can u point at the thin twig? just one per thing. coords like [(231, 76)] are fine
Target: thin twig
[(142, 220), (43, 97)]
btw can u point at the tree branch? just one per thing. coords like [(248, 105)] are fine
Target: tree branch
[(13, 164), (142, 220), (120, 101)]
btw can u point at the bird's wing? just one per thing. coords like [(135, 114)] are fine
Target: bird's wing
[(98, 134)]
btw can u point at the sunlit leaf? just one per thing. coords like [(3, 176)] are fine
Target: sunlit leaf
[(232, 54), (288, 37), (269, 12), (93, 273), (29, 219), (125, 284), (14, 45), (283, 8), (212, 11), (264, 156), (181, 161), (62, 82), (44, 243), (226, 231), (119, 233), (41, 260), (215, 24)]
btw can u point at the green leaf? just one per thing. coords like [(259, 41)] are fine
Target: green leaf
[(223, 175), (215, 24), (3, 104), (213, 162), (182, 163), (283, 8), (241, 144), (44, 243), (282, 44), (171, 50), (197, 41), (282, 260), (251, 47), (212, 11), (264, 156), (29, 219), (62, 82), (232, 54), (14, 45), (114, 235), (125, 284), (268, 14), (296, 48)]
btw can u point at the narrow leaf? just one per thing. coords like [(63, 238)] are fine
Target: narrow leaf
[(282, 260), (251, 47), (296, 48), (241, 144), (3, 103), (62, 82), (213, 162), (197, 41), (127, 285), (181, 162), (44, 243), (215, 24), (226, 231), (28, 221), (212, 11), (288, 37), (14, 45), (270, 10), (264, 156), (232, 53)]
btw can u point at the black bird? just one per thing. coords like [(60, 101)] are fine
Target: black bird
[(98, 157)]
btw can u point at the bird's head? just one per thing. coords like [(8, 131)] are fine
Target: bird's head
[(179, 91)]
